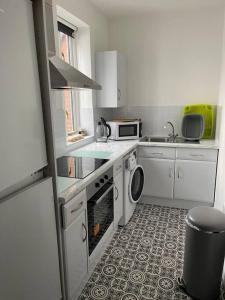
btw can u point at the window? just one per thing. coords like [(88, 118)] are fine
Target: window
[(68, 52)]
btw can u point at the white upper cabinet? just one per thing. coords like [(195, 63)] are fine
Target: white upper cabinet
[(22, 150), (111, 73)]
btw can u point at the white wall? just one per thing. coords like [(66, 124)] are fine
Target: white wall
[(174, 58), (99, 27)]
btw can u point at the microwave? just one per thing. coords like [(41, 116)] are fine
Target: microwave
[(124, 130)]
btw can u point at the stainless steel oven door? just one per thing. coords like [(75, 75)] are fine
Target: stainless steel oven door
[(100, 215)]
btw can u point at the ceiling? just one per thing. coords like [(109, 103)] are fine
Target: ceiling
[(115, 8)]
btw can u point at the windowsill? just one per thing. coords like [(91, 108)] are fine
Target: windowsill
[(81, 142), (74, 138)]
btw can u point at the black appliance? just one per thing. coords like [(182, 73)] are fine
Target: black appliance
[(100, 207), (78, 167)]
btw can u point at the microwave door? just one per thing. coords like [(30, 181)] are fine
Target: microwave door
[(128, 131)]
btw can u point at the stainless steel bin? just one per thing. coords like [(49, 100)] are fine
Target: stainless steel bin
[(204, 253)]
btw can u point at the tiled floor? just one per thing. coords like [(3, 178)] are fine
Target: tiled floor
[(143, 259)]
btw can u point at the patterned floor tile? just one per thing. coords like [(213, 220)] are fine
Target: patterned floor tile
[(143, 259)]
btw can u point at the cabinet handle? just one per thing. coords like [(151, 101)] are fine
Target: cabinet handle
[(77, 208), (119, 94), (179, 174), (117, 193), (85, 238), (197, 155), (170, 172), (118, 168), (157, 153)]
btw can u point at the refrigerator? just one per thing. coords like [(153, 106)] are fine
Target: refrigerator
[(29, 260)]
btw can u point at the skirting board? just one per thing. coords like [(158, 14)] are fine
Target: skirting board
[(186, 204)]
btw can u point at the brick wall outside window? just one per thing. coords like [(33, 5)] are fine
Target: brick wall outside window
[(68, 97)]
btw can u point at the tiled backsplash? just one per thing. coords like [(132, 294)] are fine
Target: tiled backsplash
[(153, 117)]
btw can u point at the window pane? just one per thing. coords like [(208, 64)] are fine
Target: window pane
[(69, 111), (67, 49), (64, 47)]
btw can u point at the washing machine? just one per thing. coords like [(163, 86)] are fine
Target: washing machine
[(133, 186)]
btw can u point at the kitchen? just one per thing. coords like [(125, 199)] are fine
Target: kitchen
[(70, 223)]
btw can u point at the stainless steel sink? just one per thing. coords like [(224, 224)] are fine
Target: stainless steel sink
[(160, 139), (155, 139)]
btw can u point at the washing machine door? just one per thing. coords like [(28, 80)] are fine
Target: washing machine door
[(136, 184)]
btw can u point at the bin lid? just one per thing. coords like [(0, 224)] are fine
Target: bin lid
[(208, 219)]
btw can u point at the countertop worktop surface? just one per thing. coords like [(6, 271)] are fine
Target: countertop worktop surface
[(113, 150)]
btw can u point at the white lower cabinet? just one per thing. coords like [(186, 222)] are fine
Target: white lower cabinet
[(195, 180), (118, 198), (118, 193), (159, 177), (75, 241), (191, 175)]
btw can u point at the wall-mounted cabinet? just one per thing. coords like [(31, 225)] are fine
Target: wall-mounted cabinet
[(111, 73)]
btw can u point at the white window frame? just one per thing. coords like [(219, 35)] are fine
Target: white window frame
[(75, 93)]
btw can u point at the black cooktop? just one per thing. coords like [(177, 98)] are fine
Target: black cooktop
[(78, 167)]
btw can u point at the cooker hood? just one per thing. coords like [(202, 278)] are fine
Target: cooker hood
[(64, 76)]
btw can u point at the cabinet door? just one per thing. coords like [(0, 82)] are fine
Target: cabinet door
[(76, 253), (121, 80), (159, 177), (106, 75), (111, 73), (195, 180), (21, 120), (29, 252), (118, 198)]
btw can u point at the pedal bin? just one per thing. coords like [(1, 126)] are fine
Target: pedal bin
[(204, 253)]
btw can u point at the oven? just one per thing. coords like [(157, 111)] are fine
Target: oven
[(100, 209)]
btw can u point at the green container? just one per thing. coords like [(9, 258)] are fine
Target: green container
[(209, 114)]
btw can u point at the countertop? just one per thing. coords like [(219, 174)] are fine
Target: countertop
[(203, 144), (69, 187), (113, 150)]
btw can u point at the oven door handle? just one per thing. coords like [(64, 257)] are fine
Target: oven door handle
[(105, 193), (85, 229)]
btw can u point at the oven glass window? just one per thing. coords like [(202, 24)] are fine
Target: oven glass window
[(128, 130), (100, 217)]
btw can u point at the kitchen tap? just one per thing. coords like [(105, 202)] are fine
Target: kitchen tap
[(171, 135)]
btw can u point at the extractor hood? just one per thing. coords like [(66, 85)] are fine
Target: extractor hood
[(64, 76)]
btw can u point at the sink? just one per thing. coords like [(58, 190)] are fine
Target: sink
[(155, 139), (149, 139)]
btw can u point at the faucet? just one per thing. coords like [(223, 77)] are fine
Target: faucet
[(171, 135)]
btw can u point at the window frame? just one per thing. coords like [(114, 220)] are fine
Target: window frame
[(73, 60)]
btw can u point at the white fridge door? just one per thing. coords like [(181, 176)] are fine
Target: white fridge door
[(29, 266), (22, 139)]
